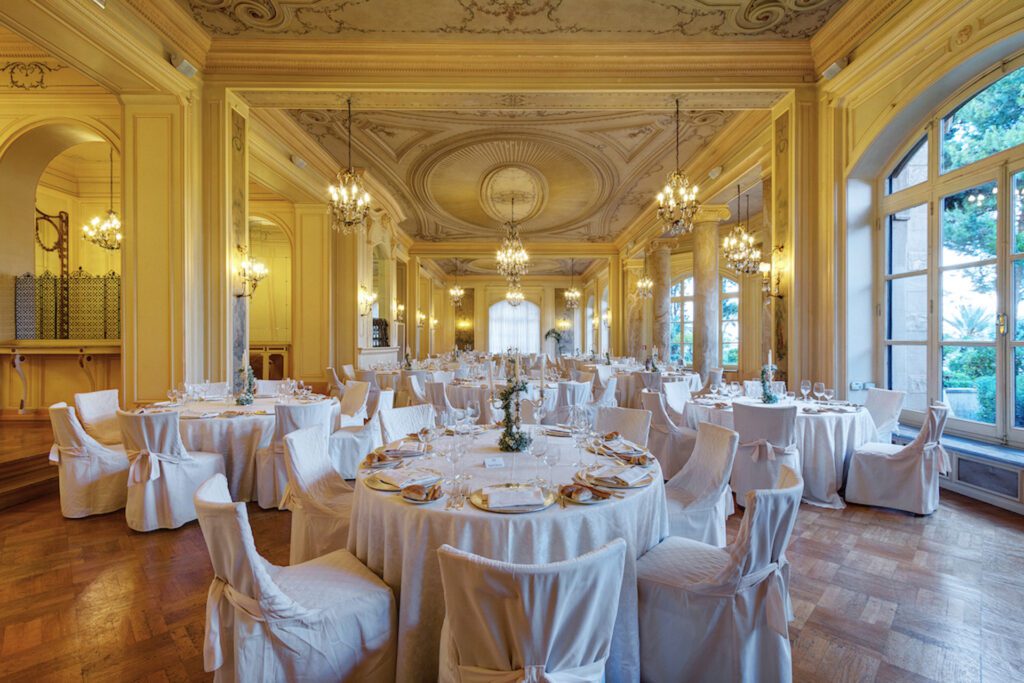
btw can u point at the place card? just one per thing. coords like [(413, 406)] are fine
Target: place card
[(493, 463)]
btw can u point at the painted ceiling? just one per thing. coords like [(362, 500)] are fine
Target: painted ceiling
[(559, 20)]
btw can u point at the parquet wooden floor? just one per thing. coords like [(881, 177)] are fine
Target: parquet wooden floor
[(879, 595)]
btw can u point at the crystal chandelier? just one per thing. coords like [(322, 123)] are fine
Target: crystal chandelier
[(645, 285), (512, 257), (677, 203), (572, 295), (350, 203), (105, 232), (514, 294), (455, 294), (739, 249)]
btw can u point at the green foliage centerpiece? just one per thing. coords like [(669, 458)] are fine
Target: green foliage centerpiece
[(513, 439), (767, 395), (248, 393)]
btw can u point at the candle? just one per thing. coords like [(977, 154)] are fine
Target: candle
[(769, 358)]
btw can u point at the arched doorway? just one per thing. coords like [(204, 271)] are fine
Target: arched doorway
[(270, 308)]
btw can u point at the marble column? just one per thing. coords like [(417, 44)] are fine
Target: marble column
[(706, 288), (660, 263)]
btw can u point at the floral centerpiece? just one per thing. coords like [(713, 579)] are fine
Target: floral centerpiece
[(248, 393), (767, 395), (513, 439)]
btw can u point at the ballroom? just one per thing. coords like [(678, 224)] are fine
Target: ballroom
[(499, 341)]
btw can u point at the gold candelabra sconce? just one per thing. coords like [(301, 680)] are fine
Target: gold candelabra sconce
[(606, 319), (421, 319), (366, 301), (771, 287), (250, 271), (400, 313)]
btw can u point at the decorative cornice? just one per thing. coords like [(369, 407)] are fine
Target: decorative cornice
[(173, 22)]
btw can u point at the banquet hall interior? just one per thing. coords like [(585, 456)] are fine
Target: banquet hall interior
[(512, 340)]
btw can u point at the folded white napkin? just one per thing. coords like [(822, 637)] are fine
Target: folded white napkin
[(623, 475), (499, 497), (557, 431), (402, 478), (198, 414), (405, 448), (622, 447)]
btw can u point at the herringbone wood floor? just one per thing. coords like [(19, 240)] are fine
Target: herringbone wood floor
[(879, 595)]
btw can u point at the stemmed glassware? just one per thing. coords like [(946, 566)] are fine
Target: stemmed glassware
[(551, 458), (173, 396), (472, 412), (805, 388), (819, 390), (830, 393), (580, 433), (539, 448), (735, 389)]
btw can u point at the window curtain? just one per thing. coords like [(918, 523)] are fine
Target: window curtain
[(514, 327)]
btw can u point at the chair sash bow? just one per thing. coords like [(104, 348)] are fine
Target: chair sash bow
[(588, 673), (765, 450), (144, 466), (777, 607), (941, 456)]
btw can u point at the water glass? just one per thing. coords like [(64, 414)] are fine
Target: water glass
[(819, 390), (830, 393), (539, 449), (551, 458), (805, 388)]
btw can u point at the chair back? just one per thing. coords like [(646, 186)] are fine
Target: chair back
[(437, 395), (416, 389), (70, 438), (398, 423), (353, 403), (97, 411), (676, 395), (215, 389), (289, 417), (307, 460), (348, 372), (605, 373), (714, 377), (884, 406), (572, 394), (537, 621), (150, 439), (337, 387), (370, 377), (654, 403), (650, 380), (443, 376), (767, 525), (633, 425), (384, 399), (267, 388), (607, 396), (752, 388), (775, 425), (706, 473), (462, 372)]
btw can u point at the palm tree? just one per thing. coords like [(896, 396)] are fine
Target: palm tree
[(970, 322)]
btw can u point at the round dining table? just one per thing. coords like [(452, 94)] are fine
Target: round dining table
[(825, 434), (398, 541)]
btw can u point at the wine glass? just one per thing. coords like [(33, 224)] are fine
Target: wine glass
[(713, 389), (829, 394), (172, 396), (472, 411), (551, 458), (735, 389), (819, 390), (580, 433), (539, 448), (805, 388), (453, 454)]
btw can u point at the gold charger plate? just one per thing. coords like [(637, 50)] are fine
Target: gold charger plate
[(479, 500), (646, 481), (377, 485)]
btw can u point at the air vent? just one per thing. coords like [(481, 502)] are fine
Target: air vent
[(987, 477)]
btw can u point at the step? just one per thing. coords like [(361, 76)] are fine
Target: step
[(25, 479)]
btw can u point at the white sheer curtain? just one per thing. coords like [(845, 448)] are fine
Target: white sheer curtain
[(514, 327)]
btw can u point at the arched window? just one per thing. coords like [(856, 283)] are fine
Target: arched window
[(604, 322), (588, 325), (729, 323), (952, 249), (681, 321), (514, 327)]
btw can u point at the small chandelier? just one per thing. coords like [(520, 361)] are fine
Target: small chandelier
[(455, 294), (645, 285), (677, 203), (513, 261), (572, 295), (105, 232), (350, 203), (250, 272), (366, 300), (514, 294), (739, 249), (563, 324)]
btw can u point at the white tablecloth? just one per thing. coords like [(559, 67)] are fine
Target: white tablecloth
[(398, 542), (825, 441)]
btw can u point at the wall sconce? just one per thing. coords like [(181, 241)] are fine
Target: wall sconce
[(766, 281), (433, 322), (596, 322), (366, 301), (563, 324), (421, 319), (606, 318), (250, 272), (400, 313)]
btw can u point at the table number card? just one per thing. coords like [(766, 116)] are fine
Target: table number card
[(492, 463)]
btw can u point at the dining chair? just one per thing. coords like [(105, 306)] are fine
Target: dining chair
[(268, 388), (319, 498), (162, 474), (399, 423), (370, 377), (570, 395), (714, 378), (348, 372), (271, 475), (668, 442), (353, 411), (437, 394), (677, 394), (901, 477), (767, 444), (698, 496), (92, 477), (328, 619), (529, 622), (884, 406), (634, 425), (348, 446), (337, 386), (97, 411), (721, 614)]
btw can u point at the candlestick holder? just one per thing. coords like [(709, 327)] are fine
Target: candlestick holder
[(767, 394)]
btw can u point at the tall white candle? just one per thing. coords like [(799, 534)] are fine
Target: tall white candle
[(769, 358)]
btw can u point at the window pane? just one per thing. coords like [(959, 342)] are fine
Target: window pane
[(729, 286), (730, 309), (969, 225), (969, 382), (730, 333), (1018, 298), (908, 308), (908, 240), (969, 304), (688, 344), (688, 312), (675, 332), (676, 290), (675, 312), (1018, 213), (908, 371), (1018, 393), (688, 287), (912, 169), (730, 354), (989, 122)]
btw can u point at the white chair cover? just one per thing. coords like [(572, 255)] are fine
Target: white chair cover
[(752, 388), (698, 497), (462, 372), (349, 445), (651, 381), (901, 477), (714, 377), (437, 393), (884, 407), (605, 397), (370, 377), (604, 374), (348, 372), (541, 623), (713, 614), (215, 389), (97, 411), (271, 475), (337, 387), (319, 498), (93, 478), (633, 425), (385, 401), (669, 443), (570, 394), (400, 422), (442, 376), (415, 384), (162, 475), (354, 404), (676, 396), (767, 443), (328, 619), (268, 388)]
